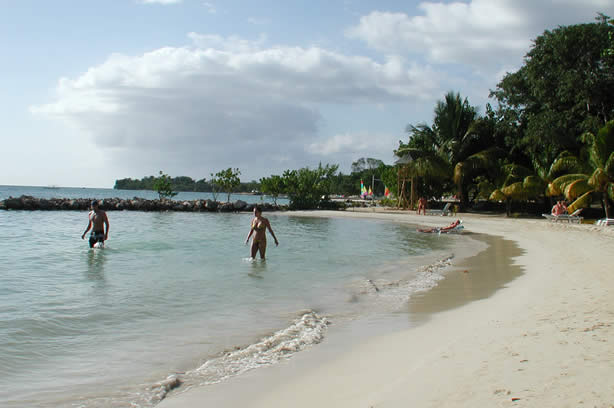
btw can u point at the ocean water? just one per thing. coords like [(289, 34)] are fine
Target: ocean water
[(174, 297), (101, 193)]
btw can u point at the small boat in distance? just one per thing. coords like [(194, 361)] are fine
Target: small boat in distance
[(52, 187)]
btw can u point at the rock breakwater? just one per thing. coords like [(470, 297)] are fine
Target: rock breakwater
[(30, 203)]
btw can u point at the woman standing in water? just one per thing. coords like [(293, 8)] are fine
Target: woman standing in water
[(258, 229)]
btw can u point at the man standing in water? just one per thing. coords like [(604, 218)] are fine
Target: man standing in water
[(97, 221)]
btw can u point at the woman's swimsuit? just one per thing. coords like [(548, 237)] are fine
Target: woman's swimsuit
[(258, 227)]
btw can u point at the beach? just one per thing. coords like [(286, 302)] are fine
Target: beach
[(544, 339)]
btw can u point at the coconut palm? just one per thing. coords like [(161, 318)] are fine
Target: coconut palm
[(478, 163), (564, 170), (519, 185), (601, 182), (415, 163), (448, 139), (475, 154), (453, 118)]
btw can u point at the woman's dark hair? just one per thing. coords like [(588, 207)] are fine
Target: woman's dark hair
[(258, 209)]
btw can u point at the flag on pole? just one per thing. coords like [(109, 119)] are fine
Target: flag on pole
[(370, 192), (363, 190), (386, 192)]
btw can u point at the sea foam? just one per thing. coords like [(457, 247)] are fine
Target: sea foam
[(306, 330)]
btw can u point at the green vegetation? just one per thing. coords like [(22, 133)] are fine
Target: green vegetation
[(162, 184), (539, 142), (226, 180), (273, 186), (181, 183), (308, 188), (550, 135)]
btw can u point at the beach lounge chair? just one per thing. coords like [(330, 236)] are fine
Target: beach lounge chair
[(605, 222), (444, 211), (573, 217)]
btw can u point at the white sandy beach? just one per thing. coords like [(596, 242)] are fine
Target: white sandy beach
[(545, 340)]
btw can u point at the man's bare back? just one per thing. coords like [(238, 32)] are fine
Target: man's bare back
[(97, 222)]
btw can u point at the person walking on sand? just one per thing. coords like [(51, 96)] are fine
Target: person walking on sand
[(422, 205), (97, 222), (258, 230)]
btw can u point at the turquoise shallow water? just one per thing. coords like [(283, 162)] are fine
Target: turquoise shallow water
[(171, 293)]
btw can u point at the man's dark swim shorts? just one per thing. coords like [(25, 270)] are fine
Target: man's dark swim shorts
[(96, 237)]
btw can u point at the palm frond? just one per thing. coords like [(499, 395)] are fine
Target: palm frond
[(609, 166), (552, 190), (599, 179), (515, 191), (582, 202), (459, 172), (511, 179), (560, 183), (480, 161), (606, 138), (497, 195), (533, 186), (587, 138), (564, 165), (431, 166), (576, 189), (412, 151), (602, 145), (485, 189), (517, 171)]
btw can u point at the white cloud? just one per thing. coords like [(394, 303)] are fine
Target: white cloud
[(354, 144), (227, 102), (483, 34), (211, 9), (165, 2)]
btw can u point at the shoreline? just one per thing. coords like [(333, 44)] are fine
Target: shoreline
[(539, 341)]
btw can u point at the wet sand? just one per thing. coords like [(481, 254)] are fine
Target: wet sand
[(526, 323)]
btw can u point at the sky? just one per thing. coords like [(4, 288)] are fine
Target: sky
[(95, 91)]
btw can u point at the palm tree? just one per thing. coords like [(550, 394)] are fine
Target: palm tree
[(446, 141), (453, 118), (601, 182), (564, 170), (478, 163), (519, 185), (414, 163)]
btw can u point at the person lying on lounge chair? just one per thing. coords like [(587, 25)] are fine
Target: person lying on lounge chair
[(559, 208), (443, 229)]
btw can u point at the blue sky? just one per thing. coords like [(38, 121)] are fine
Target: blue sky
[(96, 91)]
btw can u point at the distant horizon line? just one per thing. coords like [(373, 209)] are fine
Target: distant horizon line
[(51, 186)]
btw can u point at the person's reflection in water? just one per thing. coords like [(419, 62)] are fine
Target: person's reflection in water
[(95, 264), (257, 267)]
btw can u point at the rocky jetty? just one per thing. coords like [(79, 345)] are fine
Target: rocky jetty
[(30, 203)]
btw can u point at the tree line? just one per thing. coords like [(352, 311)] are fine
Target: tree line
[(551, 134), (180, 183), (306, 187)]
